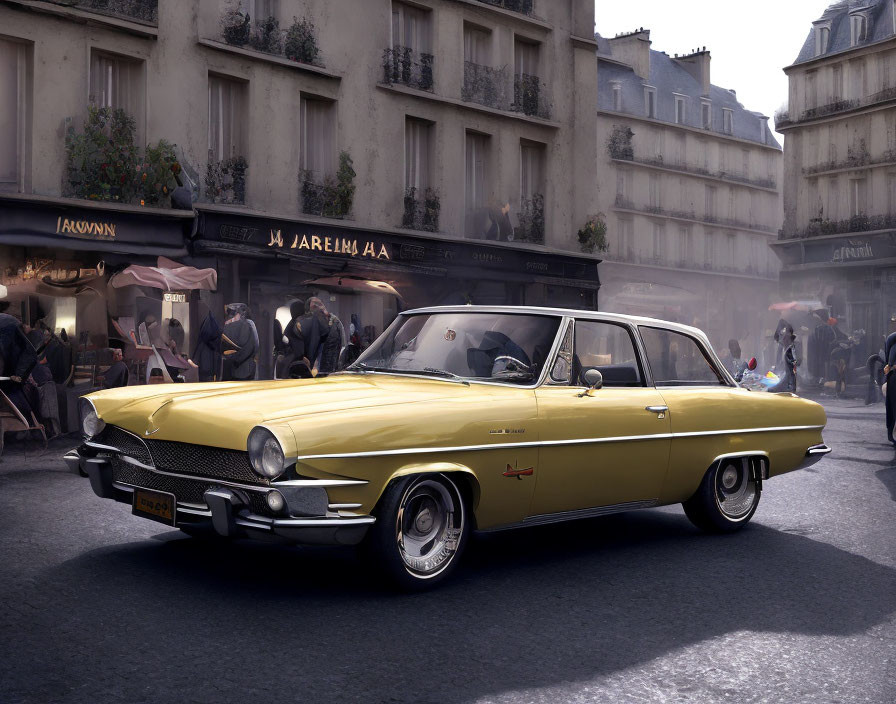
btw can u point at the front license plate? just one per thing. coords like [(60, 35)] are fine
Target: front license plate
[(157, 505)]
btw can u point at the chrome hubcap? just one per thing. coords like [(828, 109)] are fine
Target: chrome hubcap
[(736, 490), (429, 525)]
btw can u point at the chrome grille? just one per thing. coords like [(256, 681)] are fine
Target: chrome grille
[(203, 461), (129, 444), (185, 490)]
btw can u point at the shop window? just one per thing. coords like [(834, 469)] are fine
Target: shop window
[(418, 154), (226, 118), (317, 141), (411, 28), (14, 114)]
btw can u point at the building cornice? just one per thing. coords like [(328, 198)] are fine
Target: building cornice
[(850, 53), (844, 114), (97, 205), (681, 217), (475, 107), (688, 128), (684, 171), (486, 8), (270, 58), (76, 14)]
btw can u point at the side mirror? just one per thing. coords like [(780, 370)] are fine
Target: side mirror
[(751, 365), (593, 379)]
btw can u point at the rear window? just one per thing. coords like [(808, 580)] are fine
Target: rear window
[(677, 360)]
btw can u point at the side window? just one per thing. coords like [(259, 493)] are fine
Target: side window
[(677, 360), (607, 348)]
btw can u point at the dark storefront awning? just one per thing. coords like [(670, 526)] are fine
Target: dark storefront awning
[(57, 223), (876, 248), (342, 248)]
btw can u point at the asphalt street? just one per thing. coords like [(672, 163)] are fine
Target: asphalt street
[(100, 606)]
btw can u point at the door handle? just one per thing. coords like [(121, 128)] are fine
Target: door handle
[(659, 410)]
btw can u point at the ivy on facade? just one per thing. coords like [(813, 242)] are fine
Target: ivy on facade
[(329, 197), (619, 143), (225, 181), (531, 220), (421, 213)]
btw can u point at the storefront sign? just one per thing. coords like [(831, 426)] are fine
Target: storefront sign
[(852, 250), (353, 247), (174, 297), (86, 229)]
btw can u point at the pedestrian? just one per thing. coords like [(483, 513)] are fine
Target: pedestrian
[(791, 360), (302, 334), (239, 346), (207, 353), (333, 337), (889, 387), (117, 375)]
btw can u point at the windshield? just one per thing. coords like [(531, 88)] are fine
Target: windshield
[(502, 347)]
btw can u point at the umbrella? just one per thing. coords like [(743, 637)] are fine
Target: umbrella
[(168, 275), (802, 306)]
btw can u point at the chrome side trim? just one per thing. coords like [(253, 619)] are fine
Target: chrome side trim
[(100, 446), (343, 507), (319, 482), (124, 487), (561, 516), (818, 450), (551, 443)]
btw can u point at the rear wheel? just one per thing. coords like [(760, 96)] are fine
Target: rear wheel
[(727, 497), (421, 529)]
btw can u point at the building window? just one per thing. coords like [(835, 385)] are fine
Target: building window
[(477, 45), (531, 226), (617, 95), (745, 160), (836, 83), (411, 28), (475, 179), (650, 102), (226, 118), (710, 203), (527, 86), (685, 246), (728, 121), (822, 38), (811, 90), (833, 199), (317, 138), (706, 115), (680, 116), (117, 82), (14, 114), (626, 242), (418, 155), (623, 188), (653, 191), (858, 24), (857, 197), (709, 247), (858, 79), (659, 243)]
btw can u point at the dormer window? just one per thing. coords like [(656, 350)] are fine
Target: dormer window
[(706, 115), (822, 38), (858, 24), (680, 113), (650, 101), (728, 121), (617, 95)]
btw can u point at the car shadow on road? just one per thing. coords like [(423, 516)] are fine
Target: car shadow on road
[(888, 477), (528, 609)]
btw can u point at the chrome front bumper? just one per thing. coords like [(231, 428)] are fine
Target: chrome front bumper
[(227, 511)]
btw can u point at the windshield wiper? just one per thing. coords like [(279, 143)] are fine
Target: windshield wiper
[(441, 372), (514, 376)]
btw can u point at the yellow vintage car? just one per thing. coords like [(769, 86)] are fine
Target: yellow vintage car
[(456, 419)]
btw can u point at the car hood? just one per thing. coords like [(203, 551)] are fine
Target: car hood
[(222, 414)]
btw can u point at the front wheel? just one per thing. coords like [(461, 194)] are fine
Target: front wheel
[(727, 497), (421, 529)]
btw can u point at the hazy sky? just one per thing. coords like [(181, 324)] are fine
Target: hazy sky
[(750, 41)]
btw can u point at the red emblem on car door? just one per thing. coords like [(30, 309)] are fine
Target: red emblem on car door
[(519, 473)]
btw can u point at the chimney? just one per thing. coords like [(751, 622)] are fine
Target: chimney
[(697, 64), (633, 49)]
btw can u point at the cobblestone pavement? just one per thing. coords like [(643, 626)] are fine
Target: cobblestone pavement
[(98, 606)]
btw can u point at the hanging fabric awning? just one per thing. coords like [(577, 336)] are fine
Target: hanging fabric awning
[(168, 275)]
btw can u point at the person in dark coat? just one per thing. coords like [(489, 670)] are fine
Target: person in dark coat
[(304, 337), (117, 375), (207, 354), (239, 346), (890, 381), (333, 337), (790, 361), (17, 359)]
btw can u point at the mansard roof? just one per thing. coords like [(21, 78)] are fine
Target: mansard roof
[(880, 27)]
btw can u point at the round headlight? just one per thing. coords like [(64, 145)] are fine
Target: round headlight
[(266, 454), (91, 424)]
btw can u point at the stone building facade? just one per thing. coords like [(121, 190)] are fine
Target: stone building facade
[(691, 194), (381, 154), (838, 245)]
